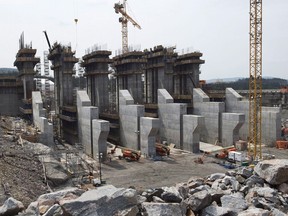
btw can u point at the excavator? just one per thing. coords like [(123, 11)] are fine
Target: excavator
[(128, 154), (162, 150)]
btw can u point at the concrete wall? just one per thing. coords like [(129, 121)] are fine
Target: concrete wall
[(148, 130), (129, 115), (271, 117), (171, 118), (212, 112), (39, 120), (192, 126)]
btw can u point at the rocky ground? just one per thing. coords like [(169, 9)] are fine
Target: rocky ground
[(21, 173), (243, 192)]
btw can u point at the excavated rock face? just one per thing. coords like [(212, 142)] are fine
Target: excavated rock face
[(238, 192), (274, 171)]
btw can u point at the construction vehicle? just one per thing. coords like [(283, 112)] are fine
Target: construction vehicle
[(224, 153), (121, 8), (128, 154), (162, 150)]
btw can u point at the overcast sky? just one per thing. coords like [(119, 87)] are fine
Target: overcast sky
[(217, 28)]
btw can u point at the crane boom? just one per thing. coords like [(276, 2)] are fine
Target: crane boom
[(121, 8), (255, 79), (47, 40)]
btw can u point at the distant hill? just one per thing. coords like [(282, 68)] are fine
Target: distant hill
[(243, 84)]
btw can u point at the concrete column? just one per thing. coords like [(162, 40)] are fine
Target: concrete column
[(130, 115), (192, 125), (148, 130), (231, 124), (100, 133)]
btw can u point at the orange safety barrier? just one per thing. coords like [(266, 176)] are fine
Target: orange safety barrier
[(281, 144)]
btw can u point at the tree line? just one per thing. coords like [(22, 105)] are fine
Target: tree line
[(243, 84)]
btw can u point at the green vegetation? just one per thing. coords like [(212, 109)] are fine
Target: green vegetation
[(243, 84)]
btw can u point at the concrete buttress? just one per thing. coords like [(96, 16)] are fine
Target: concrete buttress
[(130, 115), (192, 125), (101, 130), (230, 126), (148, 130), (171, 118)]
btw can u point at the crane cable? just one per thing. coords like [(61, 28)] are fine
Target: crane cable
[(76, 22)]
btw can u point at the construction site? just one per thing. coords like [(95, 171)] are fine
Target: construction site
[(140, 119)]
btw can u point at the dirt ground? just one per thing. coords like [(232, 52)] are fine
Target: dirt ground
[(179, 167)]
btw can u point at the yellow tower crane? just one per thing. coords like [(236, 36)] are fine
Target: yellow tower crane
[(255, 80), (121, 8)]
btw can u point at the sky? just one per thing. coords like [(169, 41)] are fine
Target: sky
[(217, 28)]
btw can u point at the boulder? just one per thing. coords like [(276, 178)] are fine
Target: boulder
[(11, 207), (54, 197), (183, 190), (254, 212), (106, 200), (56, 174), (254, 180), (167, 209), (157, 200), (240, 179), (215, 210), (283, 188), (54, 211), (276, 212), (234, 201), (274, 171), (171, 195), (245, 172), (32, 210), (199, 200), (215, 176), (194, 182), (152, 192)]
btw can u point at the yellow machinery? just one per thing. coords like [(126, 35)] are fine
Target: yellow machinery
[(121, 8), (255, 81)]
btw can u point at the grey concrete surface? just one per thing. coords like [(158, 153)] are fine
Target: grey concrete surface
[(192, 125), (130, 115), (171, 118), (230, 126), (271, 117), (148, 130), (100, 133), (212, 112), (40, 121)]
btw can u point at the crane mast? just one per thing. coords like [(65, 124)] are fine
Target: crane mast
[(255, 80), (121, 8)]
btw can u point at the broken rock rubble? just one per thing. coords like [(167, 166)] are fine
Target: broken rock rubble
[(238, 192)]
